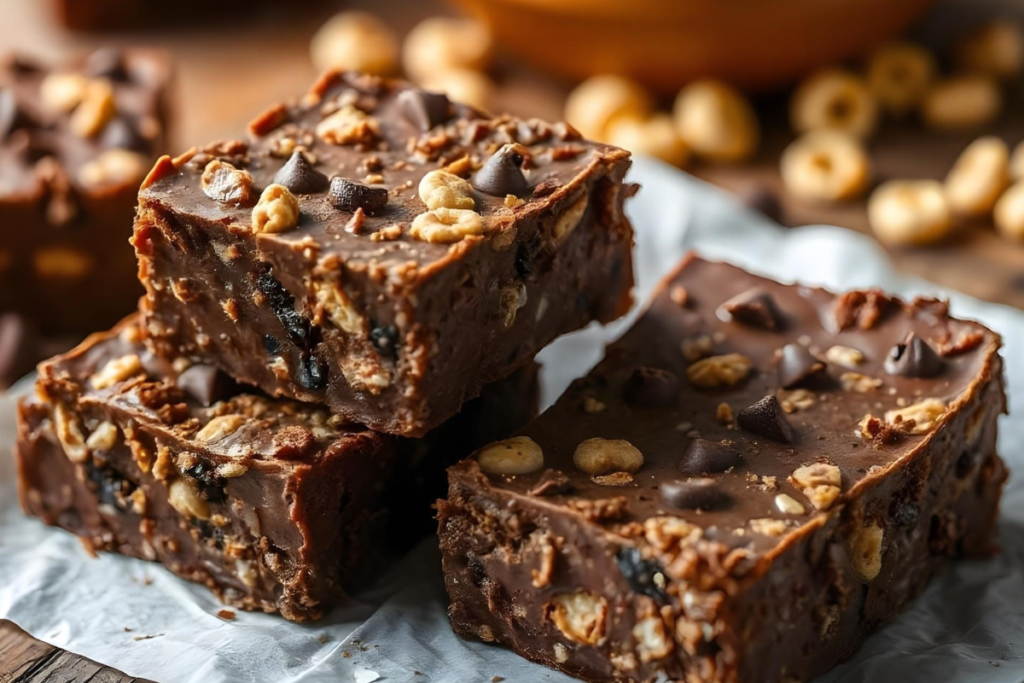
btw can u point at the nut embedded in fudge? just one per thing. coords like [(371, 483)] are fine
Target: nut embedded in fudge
[(274, 505), (680, 514), (75, 143), (381, 250)]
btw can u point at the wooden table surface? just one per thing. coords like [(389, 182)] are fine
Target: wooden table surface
[(235, 68)]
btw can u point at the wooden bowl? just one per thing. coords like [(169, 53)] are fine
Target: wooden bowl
[(754, 44)]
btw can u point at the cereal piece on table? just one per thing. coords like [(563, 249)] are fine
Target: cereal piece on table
[(834, 99), (717, 122), (826, 165)]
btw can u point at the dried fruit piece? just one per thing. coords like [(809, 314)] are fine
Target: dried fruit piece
[(754, 307), (996, 50), (703, 456), (502, 173), (299, 176), (655, 137), (978, 177), (440, 44), (276, 211), (767, 419), (599, 100), (797, 366), (962, 103), (716, 121), (445, 226), (826, 165), (604, 456), (693, 494), (719, 371), (443, 190), (899, 74), (356, 41), (913, 358), (835, 100), (651, 387), (518, 455), (349, 195), (909, 212), (225, 183)]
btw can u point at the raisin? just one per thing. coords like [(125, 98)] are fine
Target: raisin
[(385, 340), (283, 305), (111, 488), (312, 375), (639, 573)]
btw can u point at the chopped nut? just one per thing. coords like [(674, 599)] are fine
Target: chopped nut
[(219, 428), (719, 371), (569, 219), (230, 470), (95, 110), (597, 101), (445, 226), (355, 41), (826, 165), (518, 455), (820, 482), (767, 526), (924, 415), (723, 413), (651, 640), (440, 44), (61, 92), (996, 49), (225, 183), (348, 126), (592, 406), (183, 497), (387, 234), (978, 177), (580, 616), (604, 456), (113, 167), (338, 308), (666, 532), (899, 75), (797, 399), (835, 100), (844, 355), (117, 370), (69, 432), (103, 438), (613, 479), (696, 348), (276, 211), (655, 137), (443, 190), (962, 102), (861, 384), (866, 552), (561, 653), (716, 121), (788, 505)]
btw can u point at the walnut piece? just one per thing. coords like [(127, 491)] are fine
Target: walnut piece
[(605, 456), (719, 371), (651, 640), (219, 428), (117, 370), (580, 616), (348, 126), (224, 183), (924, 414), (443, 190), (276, 211), (445, 226), (845, 356), (820, 482), (865, 550), (518, 455), (856, 382)]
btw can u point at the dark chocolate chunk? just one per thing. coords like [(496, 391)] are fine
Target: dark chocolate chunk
[(766, 418), (348, 195), (204, 383), (385, 340), (424, 109), (753, 307), (210, 486), (797, 365), (121, 133), (271, 345), (703, 456), (312, 374), (552, 483), (502, 174), (651, 387), (283, 305), (641, 575), (913, 358), (299, 176), (107, 62), (693, 494)]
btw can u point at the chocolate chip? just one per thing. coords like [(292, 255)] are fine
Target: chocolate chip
[(651, 387), (551, 483), (767, 419), (502, 174), (205, 384), (122, 134), (107, 62), (18, 341), (703, 456), (753, 307), (424, 109), (385, 340), (693, 494), (913, 358), (641, 574), (209, 485), (282, 303), (349, 196), (299, 176), (311, 375), (797, 366)]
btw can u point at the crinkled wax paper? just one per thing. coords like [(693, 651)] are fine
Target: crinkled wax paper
[(968, 626)]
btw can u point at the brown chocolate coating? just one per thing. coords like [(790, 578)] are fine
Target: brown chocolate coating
[(274, 505), (301, 313), (67, 192), (799, 549)]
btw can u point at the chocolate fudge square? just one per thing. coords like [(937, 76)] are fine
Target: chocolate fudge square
[(76, 141), (274, 505), (755, 478), (380, 250)]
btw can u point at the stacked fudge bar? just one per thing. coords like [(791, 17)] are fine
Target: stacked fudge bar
[(335, 308), (755, 478)]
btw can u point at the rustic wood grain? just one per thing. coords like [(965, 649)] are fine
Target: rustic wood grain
[(23, 659)]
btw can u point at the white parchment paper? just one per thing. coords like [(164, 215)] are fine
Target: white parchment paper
[(969, 625)]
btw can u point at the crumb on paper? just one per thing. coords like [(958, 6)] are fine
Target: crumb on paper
[(322, 638), (155, 635), (497, 679), (127, 629), (226, 614), (346, 654), (361, 675)]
